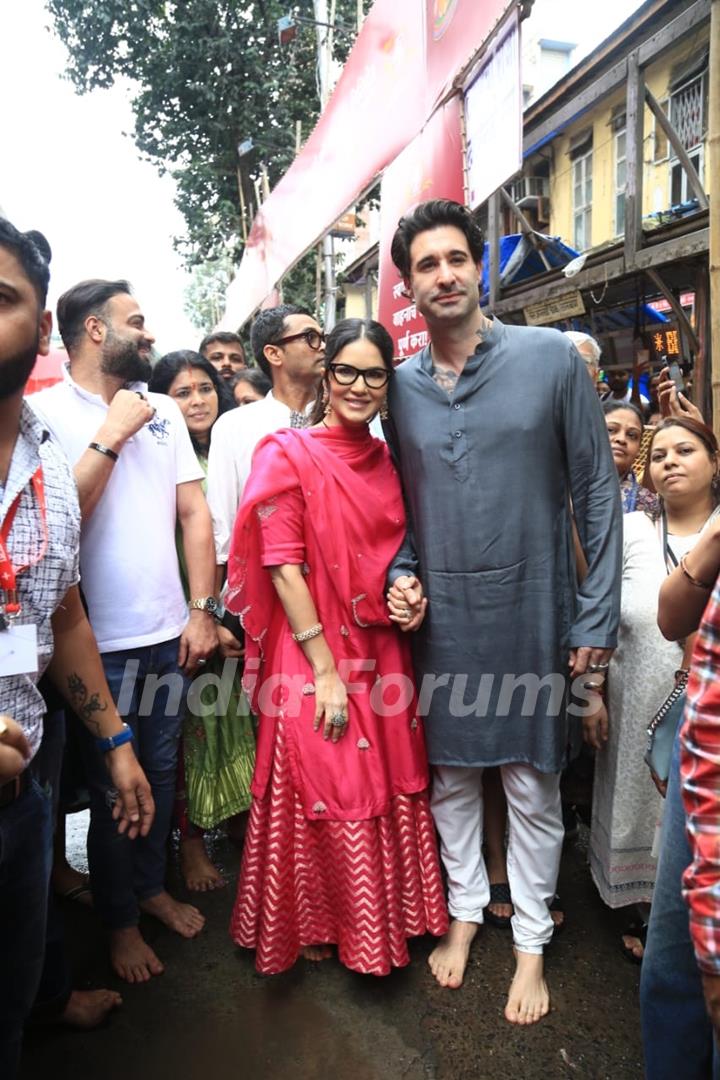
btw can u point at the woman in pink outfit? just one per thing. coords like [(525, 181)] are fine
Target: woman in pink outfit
[(340, 848)]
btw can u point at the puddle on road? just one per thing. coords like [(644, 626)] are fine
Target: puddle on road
[(262, 1033)]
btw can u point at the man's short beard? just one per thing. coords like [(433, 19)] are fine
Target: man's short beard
[(122, 360), (15, 372)]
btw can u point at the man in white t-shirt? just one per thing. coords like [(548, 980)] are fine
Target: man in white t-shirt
[(289, 346), (137, 475)]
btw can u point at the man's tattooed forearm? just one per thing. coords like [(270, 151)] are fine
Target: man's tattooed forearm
[(85, 704)]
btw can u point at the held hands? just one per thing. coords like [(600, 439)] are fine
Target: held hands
[(406, 603), (228, 645), (134, 808), (672, 401), (593, 663), (331, 704), (128, 412), (586, 659), (14, 750), (198, 641)]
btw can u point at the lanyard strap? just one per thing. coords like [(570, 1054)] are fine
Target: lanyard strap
[(668, 553), (8, 572)]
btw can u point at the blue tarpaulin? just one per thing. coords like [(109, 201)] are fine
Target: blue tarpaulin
[(519, 261)]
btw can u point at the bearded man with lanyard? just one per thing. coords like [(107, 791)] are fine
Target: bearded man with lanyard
[(42, 627)]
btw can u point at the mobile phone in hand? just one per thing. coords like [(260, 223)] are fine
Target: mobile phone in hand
[(676, 375)]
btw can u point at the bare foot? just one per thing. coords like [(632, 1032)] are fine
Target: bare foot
[(70, 884), (184, 919), (316, 952), (131, 956), (88, 1008), (199, 873), (498, 908), (633, 945), (449, 958), (529, 999)]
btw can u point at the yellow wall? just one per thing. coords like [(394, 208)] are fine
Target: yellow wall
[(355, 301), (656, 179)]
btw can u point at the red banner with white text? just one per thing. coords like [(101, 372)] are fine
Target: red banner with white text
[(431, 167)]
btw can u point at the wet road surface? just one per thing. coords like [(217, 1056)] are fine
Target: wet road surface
[(210, 1017)]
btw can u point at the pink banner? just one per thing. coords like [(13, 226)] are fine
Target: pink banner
[(395, 73), (431, 167)]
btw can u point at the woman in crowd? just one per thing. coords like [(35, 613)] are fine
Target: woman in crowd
[(625, 429), (340, 847), (250, 385), (218, 750), (626, 806)]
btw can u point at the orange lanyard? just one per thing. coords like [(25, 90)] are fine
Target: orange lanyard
[(9, 604)]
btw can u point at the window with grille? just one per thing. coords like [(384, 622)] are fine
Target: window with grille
[(687, 116), (687, 112), (582, 201)]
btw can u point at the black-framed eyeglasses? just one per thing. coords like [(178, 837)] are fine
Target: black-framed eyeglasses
[(313, 339), (374, 378)]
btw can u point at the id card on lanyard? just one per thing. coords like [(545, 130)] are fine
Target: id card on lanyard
[(18, 641)]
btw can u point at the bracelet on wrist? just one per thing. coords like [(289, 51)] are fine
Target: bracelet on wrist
[(111, 742), (309, 634), (693, 580), (101, 448)]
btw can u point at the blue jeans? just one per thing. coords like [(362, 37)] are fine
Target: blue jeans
[(56, 982), (676, 1030), (125, 871), (25, 859)]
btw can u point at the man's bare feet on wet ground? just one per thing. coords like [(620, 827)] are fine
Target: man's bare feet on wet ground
[(131, 956), (88, 1008), (529, 999), (184, 919), (449, 958)]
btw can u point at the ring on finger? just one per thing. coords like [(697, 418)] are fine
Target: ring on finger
[(338, 720)]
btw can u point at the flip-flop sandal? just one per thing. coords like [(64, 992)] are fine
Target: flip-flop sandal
[(637, 929), (556, 904), (499, 894)]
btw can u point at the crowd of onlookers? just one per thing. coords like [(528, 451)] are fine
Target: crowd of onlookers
[(236, 513)]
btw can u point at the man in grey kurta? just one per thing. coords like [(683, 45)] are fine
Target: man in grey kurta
[(497, 431)]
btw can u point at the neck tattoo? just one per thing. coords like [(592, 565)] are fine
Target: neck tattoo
[(446, 378)]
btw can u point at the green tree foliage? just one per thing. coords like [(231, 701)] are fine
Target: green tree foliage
[(205, 295), (205, 75)]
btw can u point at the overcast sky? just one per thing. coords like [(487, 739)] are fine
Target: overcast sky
[(68, 170)]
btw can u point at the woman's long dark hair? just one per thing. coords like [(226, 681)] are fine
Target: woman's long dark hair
[(347, 331), (169, 367)]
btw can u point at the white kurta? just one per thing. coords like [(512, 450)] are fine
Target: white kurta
[(626, 805)]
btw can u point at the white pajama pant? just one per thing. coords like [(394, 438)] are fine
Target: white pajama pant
[(535, 839)]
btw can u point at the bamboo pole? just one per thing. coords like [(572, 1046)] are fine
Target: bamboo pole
[(713, 173)]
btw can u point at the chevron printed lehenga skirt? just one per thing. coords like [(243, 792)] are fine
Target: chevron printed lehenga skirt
[(365, 886)]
